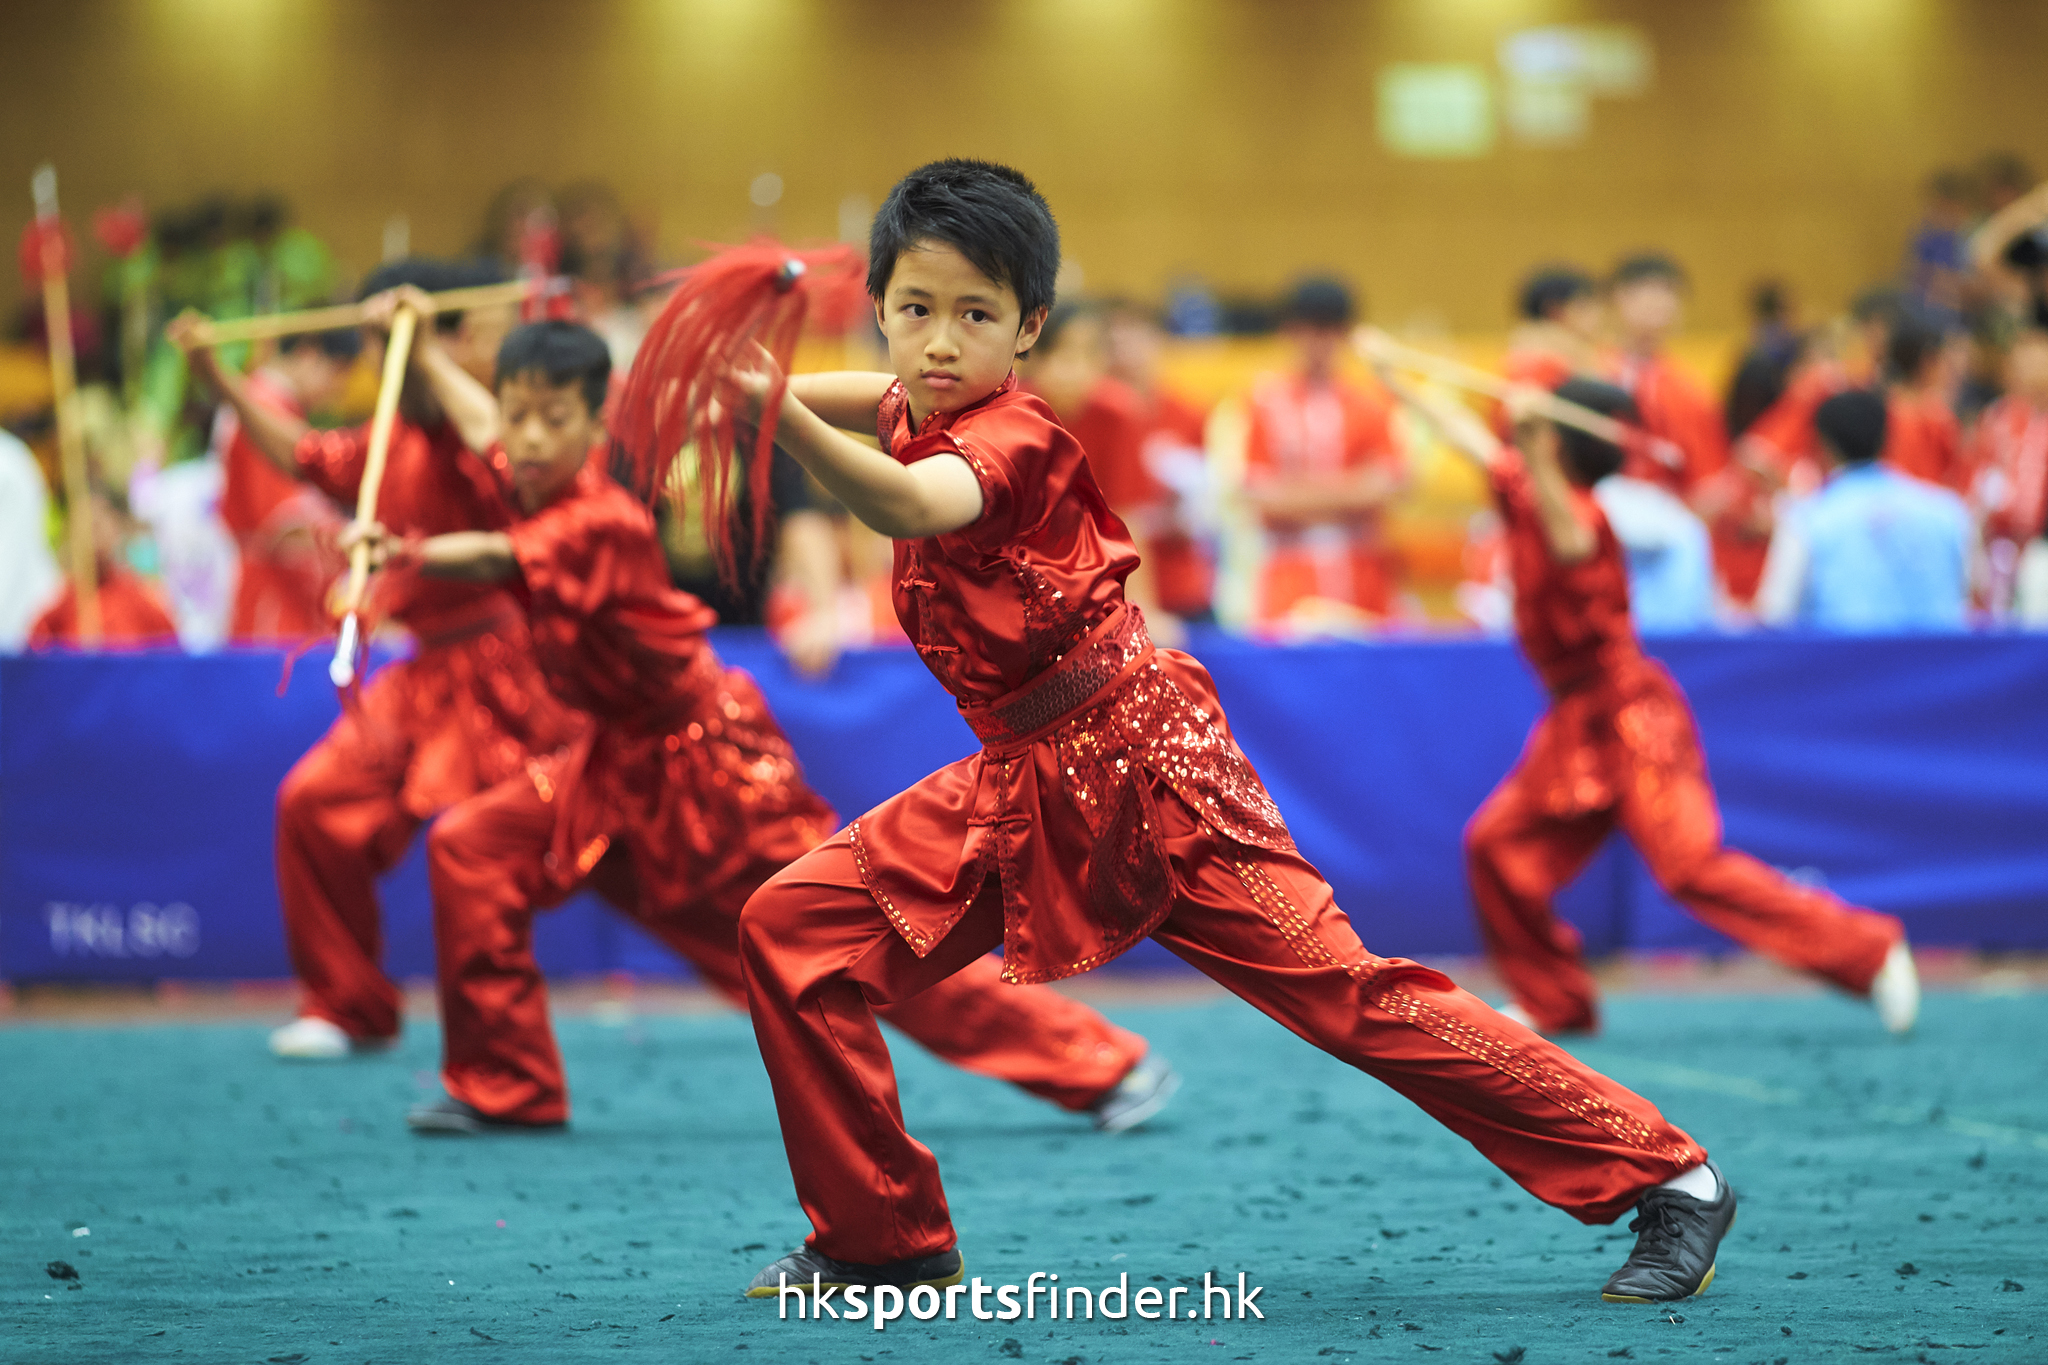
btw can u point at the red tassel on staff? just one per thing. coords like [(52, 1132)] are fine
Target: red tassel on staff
[(678, 394)]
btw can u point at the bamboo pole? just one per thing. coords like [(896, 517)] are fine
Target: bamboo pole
[(211, 333), (397, 351), (1377, 346), (64, 392)]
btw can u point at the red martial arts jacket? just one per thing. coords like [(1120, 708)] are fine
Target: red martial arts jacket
[(1574, 624), (685, 762), (473, 707), (1021, 616)]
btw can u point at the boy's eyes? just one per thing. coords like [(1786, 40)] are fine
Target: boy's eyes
[(977, 315)]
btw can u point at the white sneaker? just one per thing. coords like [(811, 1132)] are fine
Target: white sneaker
[(1896, 990), (307, 1039)]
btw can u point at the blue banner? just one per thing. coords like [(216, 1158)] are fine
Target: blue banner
[(1911, 775)]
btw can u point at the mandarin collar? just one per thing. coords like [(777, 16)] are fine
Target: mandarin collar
[(939, 421)]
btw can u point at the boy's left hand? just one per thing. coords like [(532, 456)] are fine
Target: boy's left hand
[(754, 376)]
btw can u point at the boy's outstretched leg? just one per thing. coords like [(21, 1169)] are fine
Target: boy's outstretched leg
[(1265, 926), (1517, 855)]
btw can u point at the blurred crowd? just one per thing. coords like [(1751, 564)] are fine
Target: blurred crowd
[(1882, 467)]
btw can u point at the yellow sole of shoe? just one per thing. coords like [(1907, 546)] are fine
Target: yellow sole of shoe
[(1635, 1298), (956, 1277)]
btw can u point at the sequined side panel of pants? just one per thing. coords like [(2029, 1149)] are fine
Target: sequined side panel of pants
[(1519, 855), (486, 863), (818, 953)]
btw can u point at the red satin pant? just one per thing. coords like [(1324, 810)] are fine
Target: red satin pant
[(341, 824), (819, 956), (487, 864), (1518, 855)]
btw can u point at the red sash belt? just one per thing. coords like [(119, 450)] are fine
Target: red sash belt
[(1117, 648)]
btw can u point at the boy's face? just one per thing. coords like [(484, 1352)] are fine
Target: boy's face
[(318, 376), (1580, 315), (1317, 348), (2026, 368), (953, 332), (1648, 308), (549, 430)]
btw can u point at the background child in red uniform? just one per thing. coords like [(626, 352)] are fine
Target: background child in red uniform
[(284, 530), (132, 612), (682, 799), (1618, 747), (466, 711), (1321, 465), (1109, 801)]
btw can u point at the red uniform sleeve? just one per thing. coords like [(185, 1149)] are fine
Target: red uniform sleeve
[(1369, 431), (579, 555), (1010, 450), (332, 461)]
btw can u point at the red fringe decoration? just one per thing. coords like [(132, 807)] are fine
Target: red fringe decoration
[(678, 395)]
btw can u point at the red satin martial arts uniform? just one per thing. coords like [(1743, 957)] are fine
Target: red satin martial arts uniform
[(464, 713), (678, 804), (1297, 430), (1923, 438), (284, 531), (131, 614), (1109, 802), (1618, 747), (2010, 443)]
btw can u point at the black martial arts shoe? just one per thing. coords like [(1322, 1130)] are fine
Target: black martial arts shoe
[(447, 1117), (1674, 1255), (804, 1267), (1142, 1092)]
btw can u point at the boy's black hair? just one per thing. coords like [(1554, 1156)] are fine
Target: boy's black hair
[(1320, 301), (1587, 458), (433, 276), (1551, 288), (563, 352), (990, 214), (1649, 265), (1852, 425), (1915, 339), (343, 344)]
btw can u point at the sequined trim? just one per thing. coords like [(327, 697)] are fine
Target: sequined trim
[(919, 944), (1150, 723), (1294, 926), (1562, 1090), (1066, 688)]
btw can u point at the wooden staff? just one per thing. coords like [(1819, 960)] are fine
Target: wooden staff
[(64, 390), (1377, 347), (397, 351), (212, 333)]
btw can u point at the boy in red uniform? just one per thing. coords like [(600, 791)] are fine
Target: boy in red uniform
[(2009, 451), (466, 711), (1108, 803), (682, 799), (1182, 531), (132, 612), (1922, 436), (1618, 748), (284, 530), (1321, 465), (1646, 297)]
